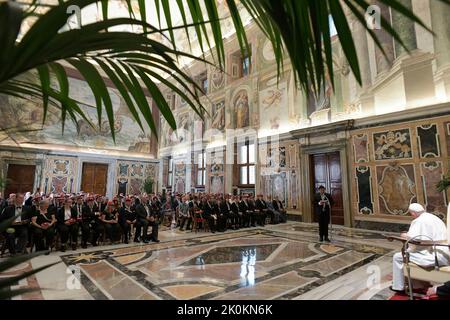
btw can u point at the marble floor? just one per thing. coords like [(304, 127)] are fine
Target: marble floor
[(276, 262)]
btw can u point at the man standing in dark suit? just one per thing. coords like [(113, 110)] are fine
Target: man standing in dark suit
[(19, 228), (322, 205)]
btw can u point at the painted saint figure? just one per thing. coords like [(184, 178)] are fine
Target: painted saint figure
[(242, 109)]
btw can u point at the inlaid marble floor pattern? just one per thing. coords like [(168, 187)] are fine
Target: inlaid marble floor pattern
[(277, 262)]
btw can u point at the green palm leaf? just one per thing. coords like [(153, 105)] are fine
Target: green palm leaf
[(298, 30)]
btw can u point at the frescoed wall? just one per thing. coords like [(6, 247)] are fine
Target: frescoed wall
[(24, 118), (396, 165), (216, 172)]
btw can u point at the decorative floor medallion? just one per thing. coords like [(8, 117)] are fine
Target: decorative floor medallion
[(277, 263)]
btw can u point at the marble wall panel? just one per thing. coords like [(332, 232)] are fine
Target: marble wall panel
[(428, 141), (364, 189), (393, 144), (361, 148), (130, 176), (396, 188), (60, 174), (432, 173)]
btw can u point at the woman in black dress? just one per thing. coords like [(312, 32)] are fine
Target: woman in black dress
[(43, 225)]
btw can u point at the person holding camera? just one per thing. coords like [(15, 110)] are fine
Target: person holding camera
[(322, 208)]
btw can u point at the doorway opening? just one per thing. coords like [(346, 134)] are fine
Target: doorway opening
[(20, 179), (326, 171), (94, 178)]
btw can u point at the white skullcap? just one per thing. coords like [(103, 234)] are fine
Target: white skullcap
[(417, 208)]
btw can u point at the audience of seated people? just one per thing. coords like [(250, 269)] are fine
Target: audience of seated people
[(38, 220)]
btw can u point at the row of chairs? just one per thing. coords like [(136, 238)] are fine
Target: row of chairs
[(170, 216)]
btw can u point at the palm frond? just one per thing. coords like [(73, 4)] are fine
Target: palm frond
[(298, 30)]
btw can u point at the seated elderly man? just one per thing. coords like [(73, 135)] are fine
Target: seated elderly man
[(425, 226)]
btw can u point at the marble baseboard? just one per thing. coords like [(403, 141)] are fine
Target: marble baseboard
[(295, 217), (381, 226)]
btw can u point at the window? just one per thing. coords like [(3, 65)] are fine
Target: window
[(205, 85), (202, 81), (241, 65), (201, 169), (170, 173), (170, 98), (246, 65), (246, 164), (333, 31)]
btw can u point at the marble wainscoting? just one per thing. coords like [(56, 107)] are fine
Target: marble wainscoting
[(277, 262)]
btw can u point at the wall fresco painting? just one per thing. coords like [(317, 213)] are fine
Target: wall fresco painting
[(27, 116), (218, 116), (180, 177), (279, 187), (217, 184), (242, 109), (273, 102)]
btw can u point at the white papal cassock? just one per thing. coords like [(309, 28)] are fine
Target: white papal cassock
[(425, 227)]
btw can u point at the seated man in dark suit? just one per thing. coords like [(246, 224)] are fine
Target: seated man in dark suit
[(147, 215), (264, 211), (254, 214), (225, 214), (18, 232), (210, 214), (278, 206)]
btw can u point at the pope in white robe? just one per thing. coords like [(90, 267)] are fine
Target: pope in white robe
[(425, 226)]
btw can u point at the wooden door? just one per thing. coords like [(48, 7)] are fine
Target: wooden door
[(20, 179), (94, 178), (326, 171)]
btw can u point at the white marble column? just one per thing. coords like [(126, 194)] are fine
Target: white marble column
[(440, 19), (405, 29), (384, 61), (360, 38)]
